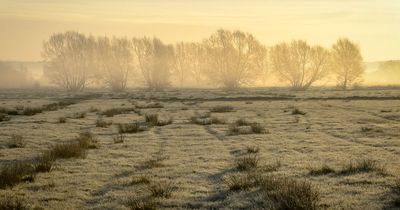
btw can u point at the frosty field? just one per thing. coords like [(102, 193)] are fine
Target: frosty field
[(190, 157)]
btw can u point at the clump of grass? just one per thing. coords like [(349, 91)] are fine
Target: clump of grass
[(242, 127), (68, 150), (141, 204), (322, 170), (87, 140), (76, 148), (151, 105), (272, 166), (4, 117), (252, 149), (247, 162), (62, 120), (153, 119), (100, 122), (241, 182), (14, 173), (17, 141), (78, 115), (44, 162), (8, 202), (221, 109), (153, 162), (362, 166), (93, 109), (118, 138), (297, 111), (161, 189), (140, 180), (116, 111), (206, 119), (29, 111), (257, 128), (133, 127), (396, 191), (285, 193)]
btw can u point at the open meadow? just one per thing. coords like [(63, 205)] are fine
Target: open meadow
[(200, 149)]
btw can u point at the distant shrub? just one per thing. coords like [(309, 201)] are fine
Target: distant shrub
[(362, 166), (242, 127), (257, 128), (87, 140), (9, 202), (206, 119), (222, 109), (322, 170), (76, 148), (16, 141)]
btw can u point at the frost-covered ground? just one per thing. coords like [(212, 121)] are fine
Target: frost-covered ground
[(333, 128)]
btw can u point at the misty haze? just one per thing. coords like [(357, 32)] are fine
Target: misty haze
[(281, 105)]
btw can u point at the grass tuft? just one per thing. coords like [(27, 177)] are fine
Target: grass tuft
[(161, 189), (153, 119), (116, 111), (297, 111), (322, 170), (141, 204), (362, 166), (247, 162), (100, 122), (17, 141), (8, 202), (14, 173), (62, 120), (119, 138), (4, 117), (221, 109), (133, 127)]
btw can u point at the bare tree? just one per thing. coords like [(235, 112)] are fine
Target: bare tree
[(347, 62), (183, 61), (299, 64), (156, 61), (14, 76), (234, 58), (114, 61), (69, 60)]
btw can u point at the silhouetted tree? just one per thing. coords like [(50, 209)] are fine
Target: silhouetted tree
[(347, 62), (299, 64), (156, 61), (114, 61), (69, 60), (233, 58)]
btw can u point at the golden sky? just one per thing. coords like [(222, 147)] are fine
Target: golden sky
[(374, 24)]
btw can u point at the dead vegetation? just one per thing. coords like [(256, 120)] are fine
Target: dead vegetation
[(117, 111), (118, 138), (16, 141), (322, 170), (243, 127), (221, 109), (151, 105), (135, 203), (247, 162), (154, 119), (362, 166), (133, 127), (161, 189), (206, 119), (101, 123), (13, 202), (297, 111), (4, 117)]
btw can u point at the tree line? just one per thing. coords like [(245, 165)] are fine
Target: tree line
[(229, 59)]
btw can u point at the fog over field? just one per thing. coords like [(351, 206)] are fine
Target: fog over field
[(183, 104)]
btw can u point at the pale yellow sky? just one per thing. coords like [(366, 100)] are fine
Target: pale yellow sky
[(375, 25)]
